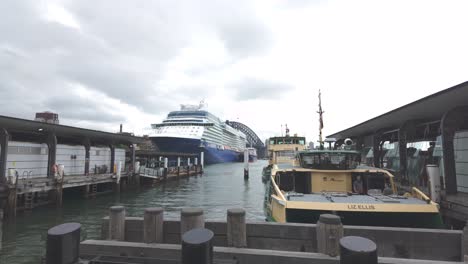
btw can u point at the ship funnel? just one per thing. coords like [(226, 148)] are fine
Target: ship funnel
[(348, 142)]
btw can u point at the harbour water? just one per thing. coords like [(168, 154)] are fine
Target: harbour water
[(222, 186)]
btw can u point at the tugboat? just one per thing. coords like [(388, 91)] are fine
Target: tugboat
[(282, 150), (332, 181)]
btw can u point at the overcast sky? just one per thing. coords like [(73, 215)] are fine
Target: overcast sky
[(102, 63)]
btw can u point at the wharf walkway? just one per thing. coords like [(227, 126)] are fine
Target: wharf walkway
[(151, 239)]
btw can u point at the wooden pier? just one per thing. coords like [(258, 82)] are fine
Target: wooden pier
[(124, 239), (40, 162)]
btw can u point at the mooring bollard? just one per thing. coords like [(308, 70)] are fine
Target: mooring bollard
[(117, 223), (63, 244), (354, 249), (191, 218), (246, 164), (329, 233), (197, 246), (236, 228), (153, 221)]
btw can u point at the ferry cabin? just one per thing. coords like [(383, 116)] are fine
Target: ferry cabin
[(284, 149)]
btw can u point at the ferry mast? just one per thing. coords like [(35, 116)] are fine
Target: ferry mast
[(320, 112)]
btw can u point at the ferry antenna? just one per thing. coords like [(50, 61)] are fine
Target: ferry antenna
[(320, 112)]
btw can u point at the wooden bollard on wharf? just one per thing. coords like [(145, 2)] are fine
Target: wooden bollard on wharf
[(236, 228), (329, 233), (117, 223), (197, 246), (63, 244), (153, 222), (354, 249), (191, 218)]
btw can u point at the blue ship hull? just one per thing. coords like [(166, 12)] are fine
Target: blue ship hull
[(195, 146)]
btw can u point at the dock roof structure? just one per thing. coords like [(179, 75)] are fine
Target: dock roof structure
[(428, 109), (30, 128)]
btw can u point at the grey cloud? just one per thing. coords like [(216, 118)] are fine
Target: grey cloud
[(252, 88), (76, 108), (121, 49), (245, 39)]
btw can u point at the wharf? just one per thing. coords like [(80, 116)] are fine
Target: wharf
[(125, 239), (39, 162)]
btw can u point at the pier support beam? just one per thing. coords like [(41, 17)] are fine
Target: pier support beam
[(4, 137), (117, 223), (52, 144), (377, 149), (450, 123), (191, 218), (87, 145), (405, 133), (11, 202), (112, 161), (153, 222), (236, 228)]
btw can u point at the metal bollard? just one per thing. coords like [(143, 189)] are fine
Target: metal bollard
[(329, 233), (63, 244), (354, 249), (153, 221), (197, 246), (117, 223), (191, 218), (236, 228)]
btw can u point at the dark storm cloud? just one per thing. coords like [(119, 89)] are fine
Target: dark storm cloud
[(251, 89)]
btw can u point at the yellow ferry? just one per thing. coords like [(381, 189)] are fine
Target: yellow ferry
[(282, 150), (331, 181)]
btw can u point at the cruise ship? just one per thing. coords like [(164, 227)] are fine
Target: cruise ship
[(192, 130)]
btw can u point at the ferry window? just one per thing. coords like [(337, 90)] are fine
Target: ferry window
[(280, 141), (272, 142), (302, 141)]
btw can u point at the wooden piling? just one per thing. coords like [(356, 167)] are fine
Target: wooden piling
[(153, 221), (63, 244), (11, 202), (191, 218), (178, 167), (117, 223), (1, 223), (465, 242), (246, 164), (329, 233), (202, 160), (197, 246), (236, 228), (354, 249)]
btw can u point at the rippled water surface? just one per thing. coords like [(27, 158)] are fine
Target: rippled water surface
[(221, 187)]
